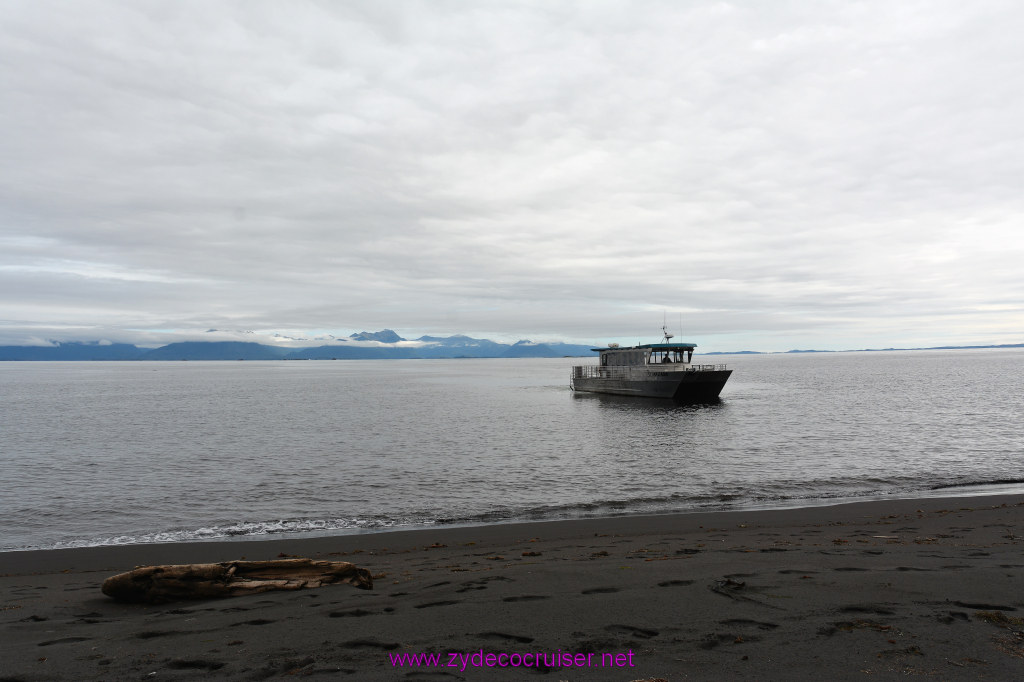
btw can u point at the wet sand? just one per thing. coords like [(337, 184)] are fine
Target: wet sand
[(872, 590)]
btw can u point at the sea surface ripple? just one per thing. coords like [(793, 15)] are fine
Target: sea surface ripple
[(100, 453)]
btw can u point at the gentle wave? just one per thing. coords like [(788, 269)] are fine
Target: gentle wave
[(982, 482), (654, 505), (243, 530)]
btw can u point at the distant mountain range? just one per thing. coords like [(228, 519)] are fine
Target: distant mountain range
[(386, 345), (866, 350)]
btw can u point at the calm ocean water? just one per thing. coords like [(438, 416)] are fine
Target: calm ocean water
[(103, 453)]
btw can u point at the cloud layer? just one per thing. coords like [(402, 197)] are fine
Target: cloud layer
[(777, 175)]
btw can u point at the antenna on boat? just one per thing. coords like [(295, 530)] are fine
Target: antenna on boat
[(664, 329)]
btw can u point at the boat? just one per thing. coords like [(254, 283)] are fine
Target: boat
[(652, 370)]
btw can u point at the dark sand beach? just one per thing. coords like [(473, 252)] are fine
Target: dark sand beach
[(872, 590)]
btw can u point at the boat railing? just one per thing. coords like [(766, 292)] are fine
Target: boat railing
[(630, 371)]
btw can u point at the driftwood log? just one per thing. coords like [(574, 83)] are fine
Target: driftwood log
[(176, 582)]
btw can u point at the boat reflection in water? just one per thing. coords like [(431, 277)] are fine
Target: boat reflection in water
[(652, 370)]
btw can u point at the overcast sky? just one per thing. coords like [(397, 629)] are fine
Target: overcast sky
[(766, 175)]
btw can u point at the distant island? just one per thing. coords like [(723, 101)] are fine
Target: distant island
[(383, 345), (864, 350)]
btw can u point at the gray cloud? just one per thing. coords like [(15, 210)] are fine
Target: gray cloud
[(782, 174)]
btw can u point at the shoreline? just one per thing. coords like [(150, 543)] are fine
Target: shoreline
[(882, 587), (376, 539), (815, 503)]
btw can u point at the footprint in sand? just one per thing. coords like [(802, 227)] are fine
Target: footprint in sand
[(65, 640), (642, 633), (152, 634), (600, 590), (446, 602), (710, 641), (370, 644), (952, 617), (195, 665), (481, 584), (983, 607), (522, 639), (867, 608), (761, 625), (527, 597)]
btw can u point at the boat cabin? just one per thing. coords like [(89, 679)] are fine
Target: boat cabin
[(647, 354)]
